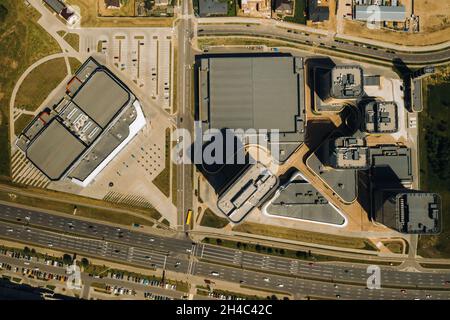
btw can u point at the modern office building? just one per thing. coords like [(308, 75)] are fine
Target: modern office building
[(298, 199), (410, 211), (246, 192), (349, 153), (380, 117)]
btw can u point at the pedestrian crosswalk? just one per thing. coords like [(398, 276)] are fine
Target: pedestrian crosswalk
[(24, 172)]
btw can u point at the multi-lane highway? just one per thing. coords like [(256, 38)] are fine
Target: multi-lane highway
[(185, 120), (322, 41), (299, 277)]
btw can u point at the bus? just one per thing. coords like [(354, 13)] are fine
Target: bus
[(189, 217)]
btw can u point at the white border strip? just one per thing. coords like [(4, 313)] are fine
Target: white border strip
[(135, 127), (277, 193)]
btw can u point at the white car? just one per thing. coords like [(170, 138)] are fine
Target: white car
[(280, 285), (266, 279), (214, 273)]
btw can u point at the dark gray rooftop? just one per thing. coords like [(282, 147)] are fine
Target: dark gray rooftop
[(212, 7), (56, 5), (54, 150), (102, 97), (300, 200), (343, 182), (409, 211), (391, 164), (418, 212), (254, 92), (88, 123), (380, 117)]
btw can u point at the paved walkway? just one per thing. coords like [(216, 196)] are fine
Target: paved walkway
[(19, 83)]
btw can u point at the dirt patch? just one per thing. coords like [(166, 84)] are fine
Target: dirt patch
[(434, 22)]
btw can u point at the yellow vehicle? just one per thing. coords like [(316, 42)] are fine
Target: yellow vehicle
[(189, 217)]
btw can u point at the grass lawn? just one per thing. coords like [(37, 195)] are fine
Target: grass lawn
[(305, 236), (22, 42), (82, 211), (210, 219), (299, 12), (61, 33), (162, 180), (111, 216), (394, 246), (73, 39), (74, 64), (21, 123), (39, 83), (435, 158)]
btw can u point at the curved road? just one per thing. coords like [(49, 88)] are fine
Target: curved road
[(23, 77), (323, 42)]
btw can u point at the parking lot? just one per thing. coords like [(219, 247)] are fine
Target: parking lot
[(142, 55), (51, 273)]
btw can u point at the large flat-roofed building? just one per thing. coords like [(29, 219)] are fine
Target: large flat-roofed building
[(298, 199), (380, 117), (261, 92), (81, 134), (380, 13), (411, 211), (246, 192), (55, 149), (113, 97)]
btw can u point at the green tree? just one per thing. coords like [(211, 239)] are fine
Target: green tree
[(67, 259), (84, 262)]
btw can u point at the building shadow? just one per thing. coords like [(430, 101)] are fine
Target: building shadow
[(405, 73), (317, 69)]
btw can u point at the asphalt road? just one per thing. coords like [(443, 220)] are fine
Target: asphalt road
[(132, 247), (307, 288), (184, 117), (124, 253), (333, 271), (321, 41)]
